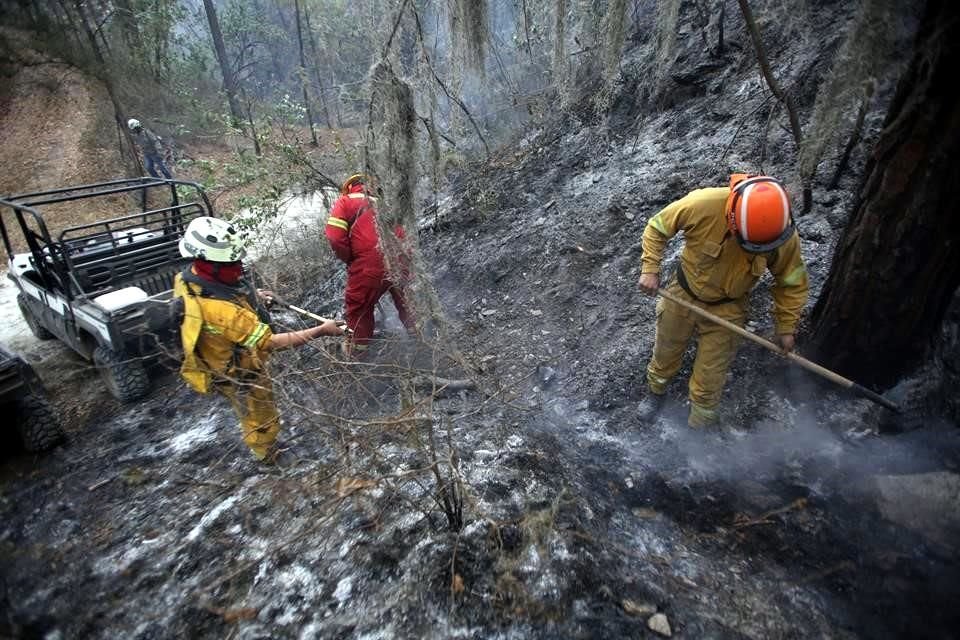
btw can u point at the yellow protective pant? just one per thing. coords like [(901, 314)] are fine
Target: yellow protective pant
[(716, 348), (252, 401)]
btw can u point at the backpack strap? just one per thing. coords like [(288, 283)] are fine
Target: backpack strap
[(220, 291), (216, 290)]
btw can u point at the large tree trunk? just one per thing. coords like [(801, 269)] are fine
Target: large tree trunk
[(229, 82), (896, 267)]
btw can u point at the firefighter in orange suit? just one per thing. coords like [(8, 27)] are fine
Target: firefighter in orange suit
[(732, 236), (226, 340), (352, 233)]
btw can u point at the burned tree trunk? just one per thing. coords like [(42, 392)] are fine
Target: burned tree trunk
[(898, 264)]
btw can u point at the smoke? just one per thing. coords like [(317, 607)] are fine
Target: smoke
[(806, 451)]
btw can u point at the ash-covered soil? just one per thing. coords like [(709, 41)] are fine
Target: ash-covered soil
[(794, 518)]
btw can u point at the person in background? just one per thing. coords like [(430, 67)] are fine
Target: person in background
[(151, 147), (225, 335), (352, 232), (732, 236)]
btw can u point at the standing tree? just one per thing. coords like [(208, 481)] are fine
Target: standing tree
[(316, 66), (898, 263), (105, 77), (302, 76), (229, 82)]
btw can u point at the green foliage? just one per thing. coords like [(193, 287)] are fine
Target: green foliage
[(147, 27), (256, 43)]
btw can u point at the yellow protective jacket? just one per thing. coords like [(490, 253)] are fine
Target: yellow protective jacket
[(715, 265), (220, 337)]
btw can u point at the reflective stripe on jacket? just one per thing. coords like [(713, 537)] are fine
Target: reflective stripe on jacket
[(352, 232), (716, 266), (220, 337)]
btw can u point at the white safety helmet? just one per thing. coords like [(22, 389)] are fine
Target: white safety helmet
[(212, 239), (133, 124)]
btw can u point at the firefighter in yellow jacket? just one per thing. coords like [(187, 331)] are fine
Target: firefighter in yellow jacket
[(732, 236), (226, 340)]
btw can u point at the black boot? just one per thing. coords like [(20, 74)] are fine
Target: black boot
[(649, 408)]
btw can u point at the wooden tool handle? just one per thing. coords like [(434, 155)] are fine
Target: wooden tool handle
[(800, 360)]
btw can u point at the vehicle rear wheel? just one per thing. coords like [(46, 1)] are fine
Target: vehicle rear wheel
[(37, 329), (126, 379), (38, 425)]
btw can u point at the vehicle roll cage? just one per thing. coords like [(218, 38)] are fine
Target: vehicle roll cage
[(86, 257)]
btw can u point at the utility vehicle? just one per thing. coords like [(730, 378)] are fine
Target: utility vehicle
[(22, 392), (103, 287)]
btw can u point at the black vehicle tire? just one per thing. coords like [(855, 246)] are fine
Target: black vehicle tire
[(126, 379), (38, 425), (37, 329)]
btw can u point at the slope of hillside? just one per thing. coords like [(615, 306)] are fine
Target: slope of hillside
[(58, 127), (792, 519)]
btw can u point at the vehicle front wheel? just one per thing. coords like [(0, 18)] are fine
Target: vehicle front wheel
[(38, 330), (38, 425), (126, 378)]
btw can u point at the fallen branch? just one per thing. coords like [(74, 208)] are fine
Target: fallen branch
[(796, 505), (443, 383), (97, 485)]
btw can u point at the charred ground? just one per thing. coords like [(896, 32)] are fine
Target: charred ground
[(794, 519)]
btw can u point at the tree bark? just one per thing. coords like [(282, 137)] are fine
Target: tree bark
[(854, 137), (302, 74), (253, 129), (70, 30), (126, 18), (898, 264), (118, 112), (229, 82), (316, 66), (723, 14)]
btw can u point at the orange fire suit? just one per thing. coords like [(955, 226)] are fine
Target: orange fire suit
[(718, 275), (226, 346), (352, 232)]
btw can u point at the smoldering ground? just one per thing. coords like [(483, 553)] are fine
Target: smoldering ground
[(577, 521)]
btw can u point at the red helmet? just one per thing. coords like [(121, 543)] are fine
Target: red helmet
[(758, 212)]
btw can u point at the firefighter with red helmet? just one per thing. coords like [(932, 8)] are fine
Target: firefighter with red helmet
[(352, 232), (732, 236)]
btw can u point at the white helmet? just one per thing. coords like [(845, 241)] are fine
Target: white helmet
[(212, 239), (133, 124)]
